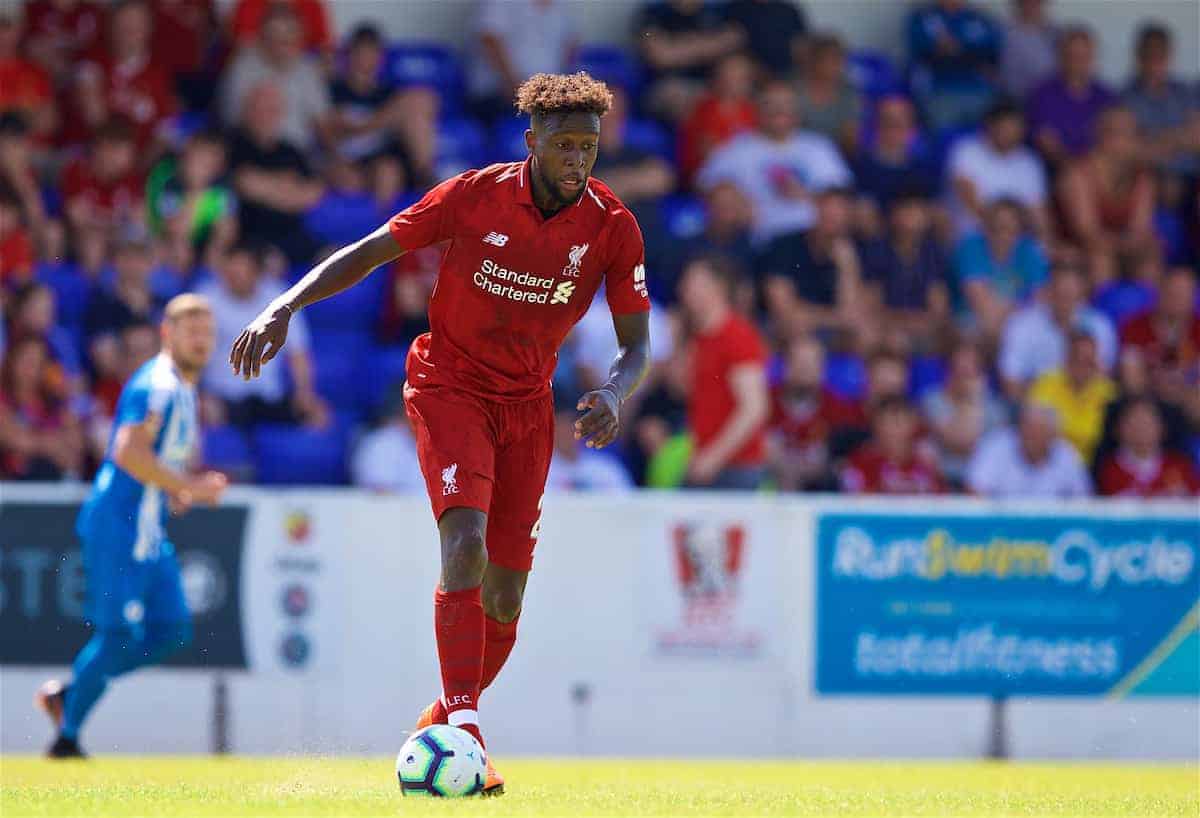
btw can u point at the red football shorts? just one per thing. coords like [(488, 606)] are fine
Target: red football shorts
[(486, 455)]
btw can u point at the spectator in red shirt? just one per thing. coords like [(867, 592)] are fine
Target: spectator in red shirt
[(24, 85), (1168, 338), (724, 111), (888, 463), (183, 34), (58, 32), (104, 189), (804, 413), (728, 402), (39, 438), (124, 80), (1141, 467), (16, 247), (17, 172), (248, 15)]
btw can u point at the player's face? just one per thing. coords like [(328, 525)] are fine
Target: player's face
[(564, 153), (190, 339)]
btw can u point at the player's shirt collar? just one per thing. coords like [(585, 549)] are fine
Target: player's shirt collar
[(523, 192)]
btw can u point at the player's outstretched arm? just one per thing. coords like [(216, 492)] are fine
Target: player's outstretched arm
[(602, 422), (262, 339), (133, 452)]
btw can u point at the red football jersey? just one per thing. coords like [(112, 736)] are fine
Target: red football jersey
[(77, 29), (805, 424), (23, 85), (512, 283), (114, 199), (711, 400), (140, 91), (1182, 352), (1166, 476), (867, 471)]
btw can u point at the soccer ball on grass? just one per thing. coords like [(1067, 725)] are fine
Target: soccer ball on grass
[(441, 761)]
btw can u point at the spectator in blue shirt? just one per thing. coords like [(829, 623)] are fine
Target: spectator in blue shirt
[(1001, 267), (954, 49), (892, 164), (906, 271)]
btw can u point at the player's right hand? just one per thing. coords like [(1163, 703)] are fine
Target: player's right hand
[(205, 488), (260, 341)]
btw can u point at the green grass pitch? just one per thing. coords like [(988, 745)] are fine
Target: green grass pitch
[(163, 787)]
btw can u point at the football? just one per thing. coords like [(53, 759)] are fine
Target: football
[(441, 761)]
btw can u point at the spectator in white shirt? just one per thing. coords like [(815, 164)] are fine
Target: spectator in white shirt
[(237, 295), (517, 39), (279, 60), (575, 467), (1035, 337), (1031, 461), (995, 164), (385, 460), (778, 167)]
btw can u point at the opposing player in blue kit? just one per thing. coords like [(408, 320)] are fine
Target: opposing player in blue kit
[(135, 597)]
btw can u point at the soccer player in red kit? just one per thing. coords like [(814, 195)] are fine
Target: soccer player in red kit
[(529, 244)]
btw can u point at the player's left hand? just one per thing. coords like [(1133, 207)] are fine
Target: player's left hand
[(703, 468), (599, 426), (260, 341)]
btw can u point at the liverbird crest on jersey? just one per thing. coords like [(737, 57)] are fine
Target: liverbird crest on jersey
[(574, 259), (450, 479)]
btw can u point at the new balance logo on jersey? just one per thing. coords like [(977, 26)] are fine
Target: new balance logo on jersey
[(450, 480), (498, 239), (562, 293), (574, 259), (639, 281)]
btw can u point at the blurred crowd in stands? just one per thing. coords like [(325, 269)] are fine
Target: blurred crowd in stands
[(971, 270)]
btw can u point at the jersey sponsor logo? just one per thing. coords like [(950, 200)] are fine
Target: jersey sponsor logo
[(450, 480), (498, 239), (514, 285), (574, 260), (563, 292), (639, 281)]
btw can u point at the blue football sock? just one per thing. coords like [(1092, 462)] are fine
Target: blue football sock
[(111, 653)]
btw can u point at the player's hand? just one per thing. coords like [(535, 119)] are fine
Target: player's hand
[(260, 341), (599, 426), (179, 503), (703, 468), (204, 488)]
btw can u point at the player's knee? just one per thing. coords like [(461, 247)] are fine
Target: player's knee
[(464, 557), (502, 602)]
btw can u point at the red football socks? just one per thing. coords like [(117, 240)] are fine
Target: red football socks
[(458, 623), (499, 639)]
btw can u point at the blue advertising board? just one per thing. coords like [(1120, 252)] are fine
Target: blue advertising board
[(1007, 605)]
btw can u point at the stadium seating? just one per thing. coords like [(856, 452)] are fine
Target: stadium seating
[(507, 140), (342, 363), (299, 455), (226, 449), (846, 375), (611, 64), (683, 216), (462, 144), (386, 372), (340, 218), (429, 64), (873, 73), (651, 137)]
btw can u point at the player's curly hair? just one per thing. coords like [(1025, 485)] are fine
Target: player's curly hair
[(544, 94)]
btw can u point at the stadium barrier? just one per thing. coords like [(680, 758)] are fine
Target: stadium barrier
[(655, 624)]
